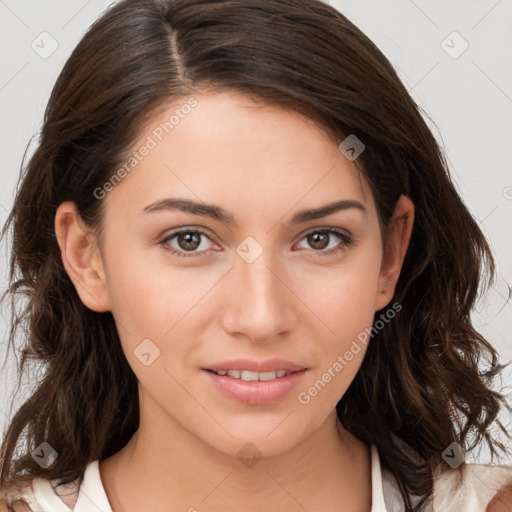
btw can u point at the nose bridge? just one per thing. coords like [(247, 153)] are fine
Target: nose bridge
[(257, 277), (260, 304)]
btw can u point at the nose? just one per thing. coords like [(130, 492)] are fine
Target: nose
[(260, 303)]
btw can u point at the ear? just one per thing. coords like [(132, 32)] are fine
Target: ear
[(81, 258), (395, 247)]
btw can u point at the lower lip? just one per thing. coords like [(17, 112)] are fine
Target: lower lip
[(255, 392)]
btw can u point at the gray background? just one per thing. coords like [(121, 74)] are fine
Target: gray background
[(466, 92)]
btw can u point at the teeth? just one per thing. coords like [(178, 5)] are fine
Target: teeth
[(253, 376)]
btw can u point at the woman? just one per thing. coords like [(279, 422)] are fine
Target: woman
[(249, 275)]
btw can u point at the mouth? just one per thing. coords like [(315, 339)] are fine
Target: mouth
[(251, 376), (254, 388)]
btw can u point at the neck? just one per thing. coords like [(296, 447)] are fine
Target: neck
[(165, 467)]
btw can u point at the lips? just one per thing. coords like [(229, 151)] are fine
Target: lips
[(255, 392), (269, 365)]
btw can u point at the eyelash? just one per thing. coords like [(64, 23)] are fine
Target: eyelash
[(346, 241)]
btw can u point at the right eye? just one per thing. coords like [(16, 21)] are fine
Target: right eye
[(187, 242)]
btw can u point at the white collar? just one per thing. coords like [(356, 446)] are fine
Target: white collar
[(378, 503), (92, 496)]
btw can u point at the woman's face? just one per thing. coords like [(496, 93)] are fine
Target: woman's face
[(255, 278)]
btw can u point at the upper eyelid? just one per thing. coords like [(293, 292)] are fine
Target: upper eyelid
[(206, 232), (172, 234)]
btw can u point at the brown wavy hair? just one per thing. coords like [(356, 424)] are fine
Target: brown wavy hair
[(427, 377)]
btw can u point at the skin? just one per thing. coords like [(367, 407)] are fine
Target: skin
[(502, 502), (295, 301)]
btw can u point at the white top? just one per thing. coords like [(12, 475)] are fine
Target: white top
[(480, 484)]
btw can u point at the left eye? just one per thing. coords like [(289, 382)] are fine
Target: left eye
[(319, 240)]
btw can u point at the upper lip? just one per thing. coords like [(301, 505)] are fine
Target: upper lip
[(256, 366)]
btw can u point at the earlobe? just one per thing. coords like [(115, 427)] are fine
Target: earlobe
[(81, 258), (395, 248)]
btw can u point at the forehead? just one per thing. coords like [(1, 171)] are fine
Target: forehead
[(229, 148)]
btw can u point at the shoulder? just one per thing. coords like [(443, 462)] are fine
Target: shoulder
[(17, 498), (27, 496), (474, 487), (469, 488)]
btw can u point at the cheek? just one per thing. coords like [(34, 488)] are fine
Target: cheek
[(343, 299), (153, 299), (142, 298), (343, 296), (344, 304)]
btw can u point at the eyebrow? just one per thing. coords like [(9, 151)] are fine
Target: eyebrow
[(218, 213)]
